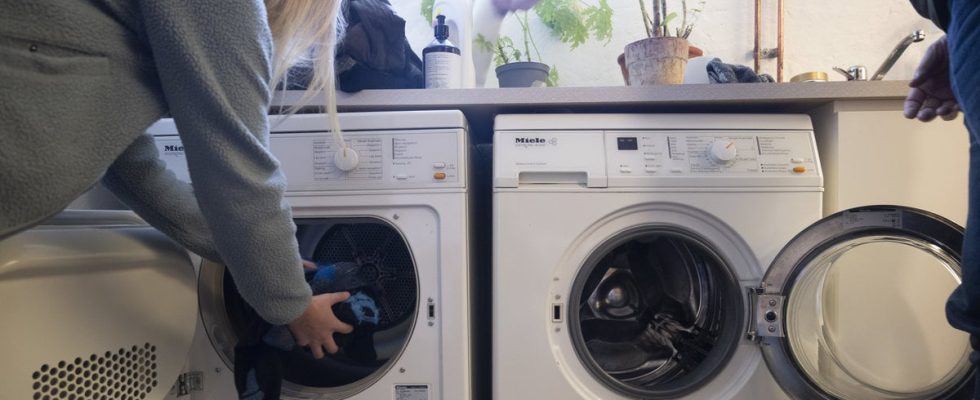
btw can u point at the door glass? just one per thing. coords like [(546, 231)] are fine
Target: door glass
[(866, 320), (655, 314)]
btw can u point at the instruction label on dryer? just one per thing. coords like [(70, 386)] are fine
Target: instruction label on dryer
[(411, 392)]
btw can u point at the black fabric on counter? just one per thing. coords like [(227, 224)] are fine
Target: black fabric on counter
[(374, 52), (719, 72)]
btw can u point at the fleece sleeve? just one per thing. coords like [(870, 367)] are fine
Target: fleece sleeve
[(142, 181), (213, 59)]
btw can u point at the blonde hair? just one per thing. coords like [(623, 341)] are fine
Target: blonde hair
[(305, 32)]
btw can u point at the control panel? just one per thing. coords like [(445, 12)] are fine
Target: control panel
[(731, 154), (379, 160), (658, 158)]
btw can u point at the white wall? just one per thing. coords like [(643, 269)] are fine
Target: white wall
[(818, 36)]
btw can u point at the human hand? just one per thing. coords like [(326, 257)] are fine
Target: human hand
[(931, 93), (315, 328), (504, 6)]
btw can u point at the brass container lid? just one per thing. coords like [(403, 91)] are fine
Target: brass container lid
[(813, 76)]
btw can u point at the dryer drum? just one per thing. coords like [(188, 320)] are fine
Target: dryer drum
[(656, 314), (385, 263)]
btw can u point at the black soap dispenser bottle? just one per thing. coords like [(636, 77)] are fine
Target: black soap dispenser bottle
[(442, 61)]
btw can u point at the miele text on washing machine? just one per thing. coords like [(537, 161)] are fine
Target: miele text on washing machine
[(173, 148), (534, 142)]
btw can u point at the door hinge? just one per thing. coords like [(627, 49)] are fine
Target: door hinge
[(187, 383), (766, 314)]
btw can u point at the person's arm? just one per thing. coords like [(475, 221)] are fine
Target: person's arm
[(212, 58), (142, 181)]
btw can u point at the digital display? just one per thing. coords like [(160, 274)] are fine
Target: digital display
[(626, 143)]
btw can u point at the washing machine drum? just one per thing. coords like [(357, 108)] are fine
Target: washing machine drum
[(373, 263), (652, 318)]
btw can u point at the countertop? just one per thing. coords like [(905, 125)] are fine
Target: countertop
[(480, 105)]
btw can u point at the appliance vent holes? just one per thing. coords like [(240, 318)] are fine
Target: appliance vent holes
[(126, 374)]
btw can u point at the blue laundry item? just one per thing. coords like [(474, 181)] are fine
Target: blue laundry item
[(260, 361), (719, 72), (359, 310)]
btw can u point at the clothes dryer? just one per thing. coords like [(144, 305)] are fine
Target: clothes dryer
[(685, 256), (96, 304), (401, 215)]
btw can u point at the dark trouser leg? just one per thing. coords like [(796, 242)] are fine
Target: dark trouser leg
[(963, 308)]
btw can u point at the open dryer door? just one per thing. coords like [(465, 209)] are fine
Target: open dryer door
[(96, 305), (853, 308)]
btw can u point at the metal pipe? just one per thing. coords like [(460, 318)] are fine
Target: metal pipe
[(758, 48), (780, 48), (889, 62)]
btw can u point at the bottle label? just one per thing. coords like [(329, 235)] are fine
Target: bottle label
[(443, 70)]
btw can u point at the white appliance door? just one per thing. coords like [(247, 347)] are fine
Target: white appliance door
[(95, 305), (853, 308)]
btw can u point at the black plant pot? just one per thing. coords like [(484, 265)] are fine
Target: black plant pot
[(522, 74)]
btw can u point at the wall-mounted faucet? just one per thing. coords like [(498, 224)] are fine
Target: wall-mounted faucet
[(859, 72)]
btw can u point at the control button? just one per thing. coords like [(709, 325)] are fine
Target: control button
[(441, 165), (796, 160), (799, 169), (439, 175), (651, 170), (676, 170), (401, 177), (722, 152), (625, 170)]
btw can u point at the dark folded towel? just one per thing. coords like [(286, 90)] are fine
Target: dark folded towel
[(719, 72)]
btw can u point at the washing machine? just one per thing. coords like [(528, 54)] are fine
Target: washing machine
[(685, 256), (400, 215)]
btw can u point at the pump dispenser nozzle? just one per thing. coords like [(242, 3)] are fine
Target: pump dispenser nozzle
[(441, 29)]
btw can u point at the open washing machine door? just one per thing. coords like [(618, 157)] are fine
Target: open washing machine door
[(383, 260), (853, 308), (95, 305)]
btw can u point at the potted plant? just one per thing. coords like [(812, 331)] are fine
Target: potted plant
[(518, 61), (517, 68), (661, 57)]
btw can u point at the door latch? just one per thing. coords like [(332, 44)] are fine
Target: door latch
[(766, 318)]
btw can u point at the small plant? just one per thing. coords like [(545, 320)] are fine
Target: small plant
[(659, 25), (571, 21), (505, 52)]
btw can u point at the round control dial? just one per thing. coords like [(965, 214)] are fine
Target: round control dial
[(346, 159), (722, 152)]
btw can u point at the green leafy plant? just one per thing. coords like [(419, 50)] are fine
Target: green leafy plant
[(571, 21), (659, 24), (427, 6)]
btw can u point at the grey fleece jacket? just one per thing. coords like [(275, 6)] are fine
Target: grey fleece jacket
[(81, 80)]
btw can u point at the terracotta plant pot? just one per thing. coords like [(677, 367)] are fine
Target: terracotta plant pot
[(522, 74), (656, 61), (692, 51)]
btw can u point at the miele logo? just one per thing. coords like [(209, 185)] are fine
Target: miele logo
[(536, 141), (172, 148)]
